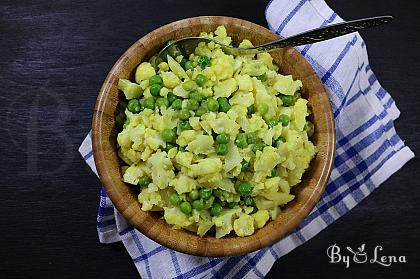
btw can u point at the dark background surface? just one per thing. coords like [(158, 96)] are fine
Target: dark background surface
[(54, 56)]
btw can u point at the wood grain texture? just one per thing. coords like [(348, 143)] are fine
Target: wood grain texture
[(124, 197)]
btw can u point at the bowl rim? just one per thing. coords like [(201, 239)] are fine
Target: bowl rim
[(100, 154)]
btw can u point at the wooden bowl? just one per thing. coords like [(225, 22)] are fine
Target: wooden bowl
[(151, 224)]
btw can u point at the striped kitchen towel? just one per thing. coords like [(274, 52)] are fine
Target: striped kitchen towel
[(368, 152)]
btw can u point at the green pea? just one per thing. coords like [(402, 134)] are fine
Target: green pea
[(169, 146), (155, 89), (287, 100), (251, 138), (203, 61), (245, 166), (205, 194), (200, 79), (248, 201), (241, 141), (217, 193), (174, 199), (162, 102), (216, 209), (262, 77), (185, 207), (212, 104), (224, 105), (149, 103), (196, 96), (144, 181), (177, 104), (201, 111), (262, 109), (185, 125), (244, 189), (183, 61), (188, 66), (193, 104), (222, 138), (134, 106), (198, 205), (156, 79), (279, 141), (194, 194), (184, 114), (284, 119), (258, 147), (222, 149), (274, 172), (232, 204), (189, 85), (171, 97), (168, 135)]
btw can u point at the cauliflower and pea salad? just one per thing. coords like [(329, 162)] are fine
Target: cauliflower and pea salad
[(214, 141)]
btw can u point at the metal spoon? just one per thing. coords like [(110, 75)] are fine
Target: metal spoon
[(187, 45)]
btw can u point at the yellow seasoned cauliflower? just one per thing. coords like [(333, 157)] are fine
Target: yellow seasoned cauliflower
[(260, 218), (206, 166), (144, 71), (225, 88), (224, 222), (170, 80), (183, 184), (149, 199), (202, 144), (174, 216), (244, 225), (197, 132)]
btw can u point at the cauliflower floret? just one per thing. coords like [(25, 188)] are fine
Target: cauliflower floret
[(123, 139), (223, 124), (132, 174), (225, 88), (150, 198), (186, 137), (170, 80), (206, 166), (174, 216), (161, 167), (244, 225), (233, 157), (144, 71), (184, 158), (223, 222), (201, 145), (286, 85), (266, 160), (299, 113), (130, 89), (183, 184), (260, 218), (153, 139), (242, 98), (244, 82)]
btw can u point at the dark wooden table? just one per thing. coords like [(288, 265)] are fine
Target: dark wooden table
[(54, 56)]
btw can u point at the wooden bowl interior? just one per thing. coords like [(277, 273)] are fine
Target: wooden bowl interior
[(124, 196)]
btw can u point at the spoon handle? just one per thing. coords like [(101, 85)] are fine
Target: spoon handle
[(326, 33)]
